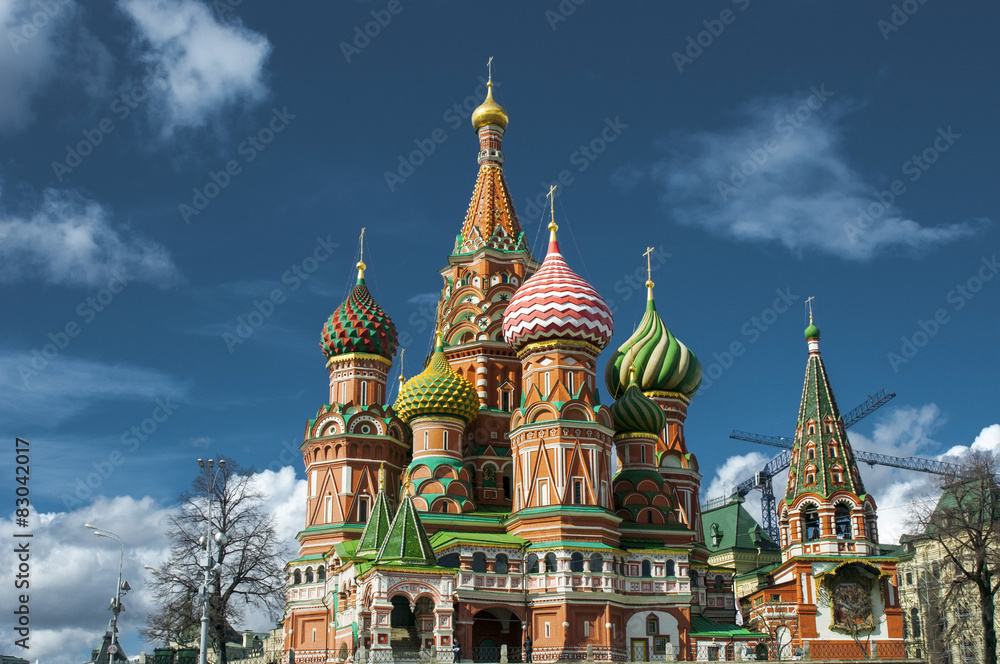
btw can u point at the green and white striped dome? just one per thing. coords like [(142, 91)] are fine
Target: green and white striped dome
[(661, 361)]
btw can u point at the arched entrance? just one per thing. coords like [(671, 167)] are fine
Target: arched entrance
[(492, 628), (403, 636)]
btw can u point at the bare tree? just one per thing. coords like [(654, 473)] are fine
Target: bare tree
[(964, 527), (250, 562)]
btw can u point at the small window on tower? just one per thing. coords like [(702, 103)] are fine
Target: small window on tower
[(811, 453), (642, 454), (833, 452), (812, 429), (446, 440), (569, 383), (363, 509), (364, 393), (577, 492), (427, 438), (505, 400), (810, 478), (838, 477)]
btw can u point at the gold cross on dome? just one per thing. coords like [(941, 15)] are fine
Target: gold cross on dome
[(649, 266), (809, 303)]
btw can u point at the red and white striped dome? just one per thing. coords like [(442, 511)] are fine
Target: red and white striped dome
[(556, 303)]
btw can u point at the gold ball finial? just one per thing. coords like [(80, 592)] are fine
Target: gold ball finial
[(489, 112)]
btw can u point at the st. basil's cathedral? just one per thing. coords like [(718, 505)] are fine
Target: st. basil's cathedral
[(497, 502)]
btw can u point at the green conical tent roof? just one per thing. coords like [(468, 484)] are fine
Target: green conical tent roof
[(819, 408), (406, 543), (377, 527)]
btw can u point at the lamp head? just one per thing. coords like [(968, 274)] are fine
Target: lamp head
[(201, 463), (221, 539)]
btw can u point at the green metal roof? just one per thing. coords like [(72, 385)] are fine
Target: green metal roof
[(443, 539), (703, 627), (736, 529)]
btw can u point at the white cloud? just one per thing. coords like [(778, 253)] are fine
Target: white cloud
[(204, 64), (28, 387), (65, 555), (69, 240), (803, 193), (33, 47)]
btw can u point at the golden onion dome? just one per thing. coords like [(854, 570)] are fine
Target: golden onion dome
[(489, 112)]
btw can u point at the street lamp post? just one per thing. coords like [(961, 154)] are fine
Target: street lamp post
[(210, 566), (116, 602)]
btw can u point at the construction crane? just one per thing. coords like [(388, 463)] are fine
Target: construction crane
[(762, 479)]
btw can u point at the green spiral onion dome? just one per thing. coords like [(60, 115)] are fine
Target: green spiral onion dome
[(662, 362), (634, 412), (359, 325), (438, 390)]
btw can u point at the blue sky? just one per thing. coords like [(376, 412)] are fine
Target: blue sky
[(170, 167)]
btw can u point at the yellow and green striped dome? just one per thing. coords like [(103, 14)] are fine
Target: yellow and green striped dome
[(661, 361), (438, 390), (634, 412)]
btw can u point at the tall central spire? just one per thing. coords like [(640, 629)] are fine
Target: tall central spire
[(491, 220)]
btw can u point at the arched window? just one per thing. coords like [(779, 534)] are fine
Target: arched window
[(500, 564), (915, 622), (450, 560), (649, 516), (811, 453), (444, 506), (596, 563), (297, 576), (550, 562), (479, 562), (810, 519), (309, 575), (647, 569), (576, 563), (532, 564), (671, 568), (842, 521), (321, 573), (718, 583)]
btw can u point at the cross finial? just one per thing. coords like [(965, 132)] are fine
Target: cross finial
[(489, 70), (552, 200), (809, 303), (361, 263), (406, 481), (402, 366), (649, 267), (381, 476)]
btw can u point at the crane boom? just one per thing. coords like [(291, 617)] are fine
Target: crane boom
[(867, 407)]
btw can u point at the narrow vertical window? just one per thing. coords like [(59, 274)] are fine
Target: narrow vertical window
[(642, 454), (427, 438), (363, 510), (572, 390), (445, 440), (547, 387), (543, 492), (364, 393), (328, 509), (505, 400), (577, 492)]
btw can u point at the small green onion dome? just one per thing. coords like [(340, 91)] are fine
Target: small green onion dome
[(438, 390), (812, 331), (359, 325), (634, 412), (661, 361)]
